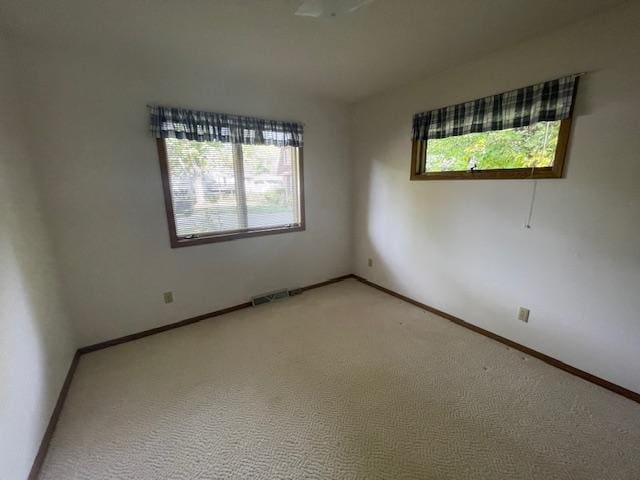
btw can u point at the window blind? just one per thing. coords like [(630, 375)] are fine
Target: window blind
[(219, 187)]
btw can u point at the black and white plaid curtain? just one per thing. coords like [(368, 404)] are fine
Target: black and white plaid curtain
[(169, 122), (548, 101)]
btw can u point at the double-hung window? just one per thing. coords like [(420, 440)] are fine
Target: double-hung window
[(522, 133), (227, 176)]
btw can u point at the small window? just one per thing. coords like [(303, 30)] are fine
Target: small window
[(519, 134), (221, 190)]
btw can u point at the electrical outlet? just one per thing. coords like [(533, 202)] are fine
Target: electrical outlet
[(370, 262), (168, 297), (523, 314)]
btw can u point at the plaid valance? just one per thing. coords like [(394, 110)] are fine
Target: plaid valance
[(169, 122), (546, 101)]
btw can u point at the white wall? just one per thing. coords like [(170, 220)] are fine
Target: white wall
[(102, 183), (36, 338), (460, 246)]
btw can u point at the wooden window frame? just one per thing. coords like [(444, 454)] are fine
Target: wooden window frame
[(177, 241), (419, 155)]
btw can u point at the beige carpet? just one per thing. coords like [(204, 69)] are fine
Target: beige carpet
[(342, 382)]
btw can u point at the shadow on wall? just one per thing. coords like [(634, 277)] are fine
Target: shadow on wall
[(392, 222), (413, 228), (461, 246), (36, 339)]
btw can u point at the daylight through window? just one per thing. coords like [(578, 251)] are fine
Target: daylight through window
[(222, 189), (522, 133), (228, 176), (533, 146)]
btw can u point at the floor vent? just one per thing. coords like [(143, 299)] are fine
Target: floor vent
[(269, 297)]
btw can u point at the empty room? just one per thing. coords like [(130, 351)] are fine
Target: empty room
[(319, 239)]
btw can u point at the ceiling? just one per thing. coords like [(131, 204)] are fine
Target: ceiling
[(348, 57)]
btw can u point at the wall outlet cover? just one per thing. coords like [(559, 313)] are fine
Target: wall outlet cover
[(523, 314)]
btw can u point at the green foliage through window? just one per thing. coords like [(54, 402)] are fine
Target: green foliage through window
[(218, 187), (526, 147)]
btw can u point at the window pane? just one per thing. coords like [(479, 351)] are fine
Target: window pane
[(220, 187), (203, 187), (526, 147), (271, 185)]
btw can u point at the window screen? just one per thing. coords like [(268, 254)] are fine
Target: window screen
[(225, 190)]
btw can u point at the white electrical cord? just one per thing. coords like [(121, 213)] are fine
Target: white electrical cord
[(535, 182), (533, 201)]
